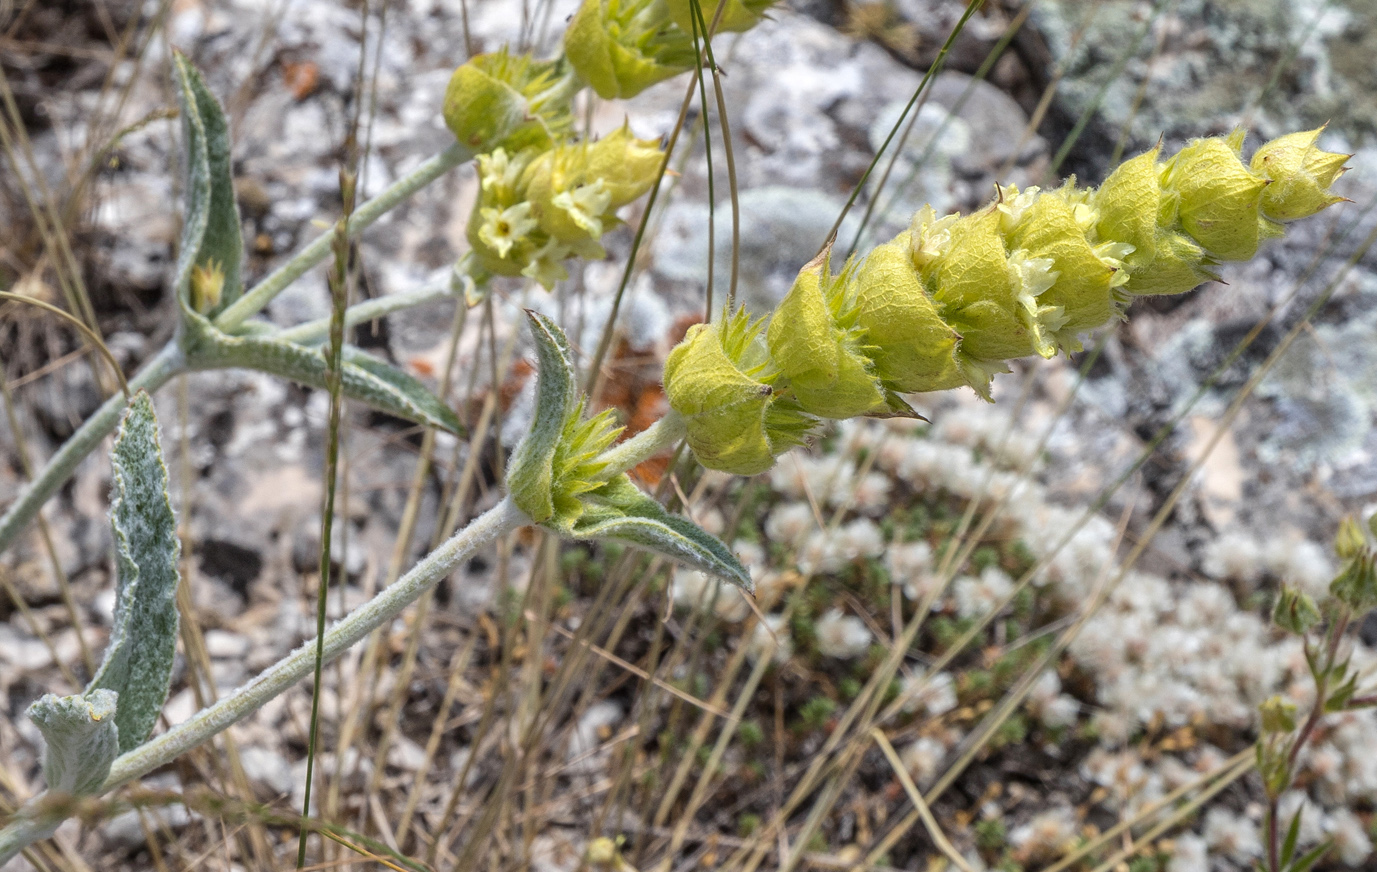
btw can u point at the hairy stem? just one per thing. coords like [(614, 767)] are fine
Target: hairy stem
[(259, 296), (32, 823), (161, 368), (654, 439), (313, 332)]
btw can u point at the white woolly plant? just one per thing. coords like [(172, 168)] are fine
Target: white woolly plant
[(940, 306)]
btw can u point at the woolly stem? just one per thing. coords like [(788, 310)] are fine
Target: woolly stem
[(255, 299), (651, 441)]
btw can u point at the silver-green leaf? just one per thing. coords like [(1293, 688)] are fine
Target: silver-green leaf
[(530, 473), (365, 378), (619, 510), (82, 739), (212, 239), (143, 641)]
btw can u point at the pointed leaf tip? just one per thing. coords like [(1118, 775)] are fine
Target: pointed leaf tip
[(620, 511)]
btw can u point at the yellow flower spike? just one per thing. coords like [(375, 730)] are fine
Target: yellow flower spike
[(1218, 197), (912, 347), (817, 351), (734, 420), (1083, 289), (1300, 174), (738, 17), (622, 47)]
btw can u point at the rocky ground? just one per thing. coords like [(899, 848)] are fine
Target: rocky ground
[(1159, 687)]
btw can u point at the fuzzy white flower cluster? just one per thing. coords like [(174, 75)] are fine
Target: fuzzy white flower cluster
[(1046, 836), (842, 636), (822, 549), (1300, 563), (977, 596), (910, 565)]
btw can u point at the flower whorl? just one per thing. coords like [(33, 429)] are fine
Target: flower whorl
[(947, 302)]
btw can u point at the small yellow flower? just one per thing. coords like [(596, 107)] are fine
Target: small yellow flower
[(207, 284), (503, 229), (585, 206)]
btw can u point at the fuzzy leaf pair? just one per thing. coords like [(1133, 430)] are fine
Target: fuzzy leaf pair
[(208, 278), (120, 706), (556, 475)]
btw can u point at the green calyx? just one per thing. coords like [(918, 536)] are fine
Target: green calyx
[(559, 476), (577, 463), (1300, 175), (509, 101), (1130, 209), (913, 348), (816, 343), (622, 47), (1218, 198), (720, 380)]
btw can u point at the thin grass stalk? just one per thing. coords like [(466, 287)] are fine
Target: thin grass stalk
[(42, 208), (409, 515), (35, 627), (91, 336), (458, 666), (916, 797), (594, 374), (1140, 94), (1178, 815), (699, 35), (1117, 70), (334, 383), (972, 7), (975, 742), (982, 72), (189, 627), (724, 738)]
